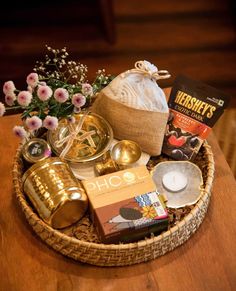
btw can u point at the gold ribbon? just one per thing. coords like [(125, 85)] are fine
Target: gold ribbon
[(141, 67), (73, 135)]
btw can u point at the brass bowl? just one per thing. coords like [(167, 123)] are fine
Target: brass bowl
[(78, 154), (126, 152)]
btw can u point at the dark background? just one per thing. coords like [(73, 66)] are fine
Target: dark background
[(195, 38)]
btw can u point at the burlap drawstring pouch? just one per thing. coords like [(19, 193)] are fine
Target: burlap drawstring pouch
[(136, 107)]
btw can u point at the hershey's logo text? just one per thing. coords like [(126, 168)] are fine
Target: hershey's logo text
[(194, 104)]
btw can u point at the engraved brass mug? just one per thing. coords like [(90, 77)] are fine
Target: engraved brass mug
[(56, 194)]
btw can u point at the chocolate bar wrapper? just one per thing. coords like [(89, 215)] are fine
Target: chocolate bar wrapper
[(194, 109)]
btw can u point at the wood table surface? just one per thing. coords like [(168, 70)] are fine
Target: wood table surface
[(207, 261)]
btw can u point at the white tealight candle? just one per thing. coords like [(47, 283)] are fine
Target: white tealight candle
[(174, 181)]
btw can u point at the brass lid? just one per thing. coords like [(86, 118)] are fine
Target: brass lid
[(35, 150), (82, 151)]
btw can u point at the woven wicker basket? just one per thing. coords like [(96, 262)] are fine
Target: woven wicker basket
[(121, 254)]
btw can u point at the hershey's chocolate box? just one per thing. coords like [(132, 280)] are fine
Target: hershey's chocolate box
[(125, 205)]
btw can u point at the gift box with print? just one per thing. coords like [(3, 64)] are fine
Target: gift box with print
[(125, 206)]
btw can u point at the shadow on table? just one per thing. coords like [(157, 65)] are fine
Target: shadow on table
[(45, 255)]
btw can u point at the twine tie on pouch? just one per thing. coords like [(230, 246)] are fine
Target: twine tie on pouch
[(148, 69), (74, 130)]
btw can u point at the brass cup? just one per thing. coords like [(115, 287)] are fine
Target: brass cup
[(56, 194), (122, 155), (126, 152), (106, 166)]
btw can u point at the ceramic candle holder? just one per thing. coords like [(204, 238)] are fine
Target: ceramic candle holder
[(180, 181)]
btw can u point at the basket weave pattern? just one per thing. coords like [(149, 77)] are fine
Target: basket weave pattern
[(120, 254)]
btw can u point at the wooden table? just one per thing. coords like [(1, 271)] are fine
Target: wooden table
[(207, 261)]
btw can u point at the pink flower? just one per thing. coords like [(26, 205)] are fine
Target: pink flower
[(9, 99), (87, 89), (19, 131), (44, 93), (24, 98), (32, 79), (61, 95), (2, 109), (42, 83), (33, 123), (71, 119), (50, 122), (9, 88), (77, 110), (30, 89), (78, 100)]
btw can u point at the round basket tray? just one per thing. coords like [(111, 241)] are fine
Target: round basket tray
[(81, 243)]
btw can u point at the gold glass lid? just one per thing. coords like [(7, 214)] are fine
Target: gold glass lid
[(35, 150), (90, 143)]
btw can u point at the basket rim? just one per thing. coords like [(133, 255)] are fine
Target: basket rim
[(124, 246)]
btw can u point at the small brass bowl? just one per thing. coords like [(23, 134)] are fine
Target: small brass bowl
[(126, 152), (80, 153)]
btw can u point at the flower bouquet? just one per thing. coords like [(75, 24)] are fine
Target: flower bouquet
[(56, 89)]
